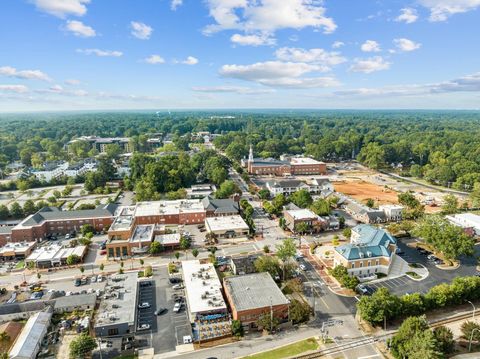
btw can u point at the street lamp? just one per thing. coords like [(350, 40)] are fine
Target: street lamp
[(473, 313), (471, 337)]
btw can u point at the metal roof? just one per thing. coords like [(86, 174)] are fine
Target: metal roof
[(253, 291), (27, 343)]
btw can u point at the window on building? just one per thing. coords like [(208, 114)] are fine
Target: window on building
[(113, 331)]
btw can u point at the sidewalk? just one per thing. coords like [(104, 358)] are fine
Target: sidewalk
[(322, 269)]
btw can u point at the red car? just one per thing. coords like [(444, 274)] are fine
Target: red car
[(103, 253)]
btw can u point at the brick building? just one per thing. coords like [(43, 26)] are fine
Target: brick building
[(253, 295), (294, 166), (53, 221), (371, 251)]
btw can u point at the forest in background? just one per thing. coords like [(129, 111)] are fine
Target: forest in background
[(441, 147)]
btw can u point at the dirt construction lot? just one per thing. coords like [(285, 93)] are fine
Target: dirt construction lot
[(361, 190)]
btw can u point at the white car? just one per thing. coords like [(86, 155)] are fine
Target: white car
[(144, 305), (100, 278), (187, 339), (144, 327), (177, 286), (302, 267), (177, 307), (93, 279)]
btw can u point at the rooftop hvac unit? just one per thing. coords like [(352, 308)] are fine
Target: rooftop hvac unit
[(369, 254), (361, 254)]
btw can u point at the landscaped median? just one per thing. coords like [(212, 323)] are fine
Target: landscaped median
[(289, 350)]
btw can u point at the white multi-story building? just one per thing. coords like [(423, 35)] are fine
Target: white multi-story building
[(393, 212), (466, 221)]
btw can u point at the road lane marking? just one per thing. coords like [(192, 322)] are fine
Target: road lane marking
[(370, 356)]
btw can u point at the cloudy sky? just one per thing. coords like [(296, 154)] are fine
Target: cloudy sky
[(169, 54)]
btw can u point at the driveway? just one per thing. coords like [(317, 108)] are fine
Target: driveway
[(165, 328), (436, 276)]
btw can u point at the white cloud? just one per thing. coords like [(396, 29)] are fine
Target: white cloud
[(252, 40), (267, 15), (407, 15), (78, 28), (175, 4), (324, 59), (190, 60), (72, 82), (370, 46), (14, 88), (468, 83), (279, 74), (441, 10), (24, 74), (372, 64), (60, 90), (241, 90), (100, 53), (140, 30), (338, 44), (155, 59), (62, 8), (406, 45)]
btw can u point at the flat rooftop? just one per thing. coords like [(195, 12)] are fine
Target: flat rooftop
[(225, 223), (142, 233), (168, 239), (252, 291), (118, 304), (465, 219), (301, 214), (16, 247), (156, 208), (202, 287), (304, 161), (54, 252)]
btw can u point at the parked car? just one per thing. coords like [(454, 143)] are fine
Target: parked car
[(77, 282), (144, 305), (93, 279), (174, 280), (177, 307), (187, 339), (100, 278), (177, 286), (160, 311), (361, 289), (302, 267), (144, 327)]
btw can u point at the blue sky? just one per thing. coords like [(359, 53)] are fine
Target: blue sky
[(169, 54)]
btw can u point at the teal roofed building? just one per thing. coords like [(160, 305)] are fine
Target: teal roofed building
[(370, 251)]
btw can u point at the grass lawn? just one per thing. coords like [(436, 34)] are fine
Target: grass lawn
[(20, 265), (288, 350)]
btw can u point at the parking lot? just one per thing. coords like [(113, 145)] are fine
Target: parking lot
[(169, 326), (402, 285)]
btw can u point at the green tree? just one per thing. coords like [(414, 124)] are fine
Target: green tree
[(372, 155), (195, 252), (380, 305), (177, 255), (148, 272), (82, 269), (266, 249), (86, 228), (264, 193), (82, 346), (370, 202), (102, 267), (414, 340), (468, 328), (267, 322), (347, 233), (444, 338), (227, 188), (301, 198), (321, 207), (29, 207), (16, 210), (268, 264), (445, 237), (286, 251), (299, 311), (72, 259), (450, 204), (4, 212), (155, 248), (302, 227), (237, 328)]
